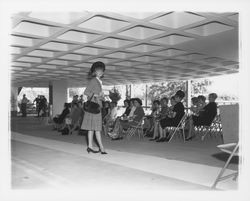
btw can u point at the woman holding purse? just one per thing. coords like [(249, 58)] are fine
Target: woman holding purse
[(93, 121)]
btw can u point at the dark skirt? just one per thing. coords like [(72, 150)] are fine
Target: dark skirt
[(58, 120), (169, 122), (201, 121)]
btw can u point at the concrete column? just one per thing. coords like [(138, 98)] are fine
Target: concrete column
[(13, 101), (188, 93), (59, 96)]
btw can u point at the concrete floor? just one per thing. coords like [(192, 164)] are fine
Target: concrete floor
[(42, 158)]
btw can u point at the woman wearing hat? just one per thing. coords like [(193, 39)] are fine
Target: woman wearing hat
[(93, 122)]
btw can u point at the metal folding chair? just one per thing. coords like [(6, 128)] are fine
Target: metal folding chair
[(232, 149), (179, 129), (230, 129), (213, 129), (132, 130)]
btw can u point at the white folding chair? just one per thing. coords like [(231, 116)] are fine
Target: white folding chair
[(180, 128), (230, 129)]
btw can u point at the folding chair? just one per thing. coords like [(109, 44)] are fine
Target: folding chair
[(230, 129), (232, 149), (180, 128), (132, 130), (213, 128)]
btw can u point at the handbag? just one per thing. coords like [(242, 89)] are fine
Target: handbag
[(91, 107), (65, 131)]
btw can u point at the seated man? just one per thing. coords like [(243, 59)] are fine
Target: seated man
[(205, 117), (125, 123), (59, 119), (174, 118)]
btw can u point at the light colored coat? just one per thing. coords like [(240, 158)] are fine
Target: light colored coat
[(94, 87)]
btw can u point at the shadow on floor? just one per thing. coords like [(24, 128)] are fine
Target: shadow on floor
[(224, 156)]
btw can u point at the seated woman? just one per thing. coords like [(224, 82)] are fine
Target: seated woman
[(174, 118), (194, 108), (110, 118), (127, 108), (59, 119), (162, 114), (125, 123), (201, 103), (105, 109), (150, 119), (75, 116), (132, 108), (205, 117)]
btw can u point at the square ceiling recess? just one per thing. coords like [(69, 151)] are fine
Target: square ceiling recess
[(172, 39), (141, 32), (209, 29), (59, 17), (78, 36), (103, 24), (177, 19)]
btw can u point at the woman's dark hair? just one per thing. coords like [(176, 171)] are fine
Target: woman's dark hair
[(164, 98), (156, 102), (172, 98), (201, 97), (94, 67), (126, 101), (213, 95), (194, 99), (180, 94), (67, 105), (131, 100), (138, 100)]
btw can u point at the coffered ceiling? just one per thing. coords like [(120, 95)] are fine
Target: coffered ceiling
[(136, 47)]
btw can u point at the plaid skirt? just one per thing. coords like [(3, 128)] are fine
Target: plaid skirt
[(92, 122)]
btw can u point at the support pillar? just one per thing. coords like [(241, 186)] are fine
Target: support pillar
[(128, 91), (59, 96), (188, 93), (14, 103)]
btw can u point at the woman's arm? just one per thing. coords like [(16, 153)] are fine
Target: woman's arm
[(89, 89)]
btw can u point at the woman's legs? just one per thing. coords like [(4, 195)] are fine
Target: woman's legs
[(160, 131), (99, 140), (90, 139), (156, 130), (191, 128)]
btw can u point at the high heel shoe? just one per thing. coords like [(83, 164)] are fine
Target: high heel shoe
[(152, 139), (161, 139), (102, 152), (91, 150)]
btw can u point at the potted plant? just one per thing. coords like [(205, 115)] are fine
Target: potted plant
[(114, 95)]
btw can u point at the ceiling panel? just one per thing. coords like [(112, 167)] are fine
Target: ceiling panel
[(136, 47)]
